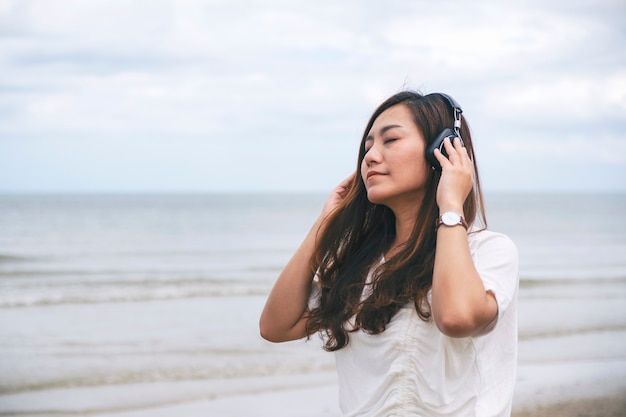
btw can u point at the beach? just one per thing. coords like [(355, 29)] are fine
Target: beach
[(148, 306), (293, 402), (597, 407), (572, 373)]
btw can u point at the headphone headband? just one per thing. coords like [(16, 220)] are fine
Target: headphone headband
[(456, 109), (454, 105)]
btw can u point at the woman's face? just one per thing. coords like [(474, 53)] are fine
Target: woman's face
[(394, 168)]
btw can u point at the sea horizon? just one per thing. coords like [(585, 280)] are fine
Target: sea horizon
[(148, 192)]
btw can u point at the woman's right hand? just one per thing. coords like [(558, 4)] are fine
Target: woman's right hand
[(285, 314), (337, 195)]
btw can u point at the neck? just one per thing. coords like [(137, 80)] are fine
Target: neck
[(405, 223), (406, 215)]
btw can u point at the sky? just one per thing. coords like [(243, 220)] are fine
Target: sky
[(273, 95)]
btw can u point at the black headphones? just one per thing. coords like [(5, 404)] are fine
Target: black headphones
[(446, 133)]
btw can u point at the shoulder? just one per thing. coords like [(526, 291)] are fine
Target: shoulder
[(487, 239), (492, 248), (497, 263)]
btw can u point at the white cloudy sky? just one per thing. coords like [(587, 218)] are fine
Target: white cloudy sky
[(257, 95)]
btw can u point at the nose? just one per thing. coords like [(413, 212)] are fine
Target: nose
[(372, 156)]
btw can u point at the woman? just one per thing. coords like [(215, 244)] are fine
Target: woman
[(400, 276)]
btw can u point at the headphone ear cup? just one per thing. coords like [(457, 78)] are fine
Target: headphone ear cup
[(438, 144)]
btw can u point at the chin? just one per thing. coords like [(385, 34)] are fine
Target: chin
[(391, 198), (375, 197)]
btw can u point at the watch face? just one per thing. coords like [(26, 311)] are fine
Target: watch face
[(450, 218)]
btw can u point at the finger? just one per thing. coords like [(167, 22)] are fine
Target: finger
[(451, 149), (443, 161), (347, 183), (462, 152)]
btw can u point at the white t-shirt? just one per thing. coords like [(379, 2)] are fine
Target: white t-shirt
[(412, 369)]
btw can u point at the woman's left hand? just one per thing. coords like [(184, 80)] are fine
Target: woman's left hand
[(457, 177)]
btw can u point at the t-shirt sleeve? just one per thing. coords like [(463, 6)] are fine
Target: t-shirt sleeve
[(497, 262)]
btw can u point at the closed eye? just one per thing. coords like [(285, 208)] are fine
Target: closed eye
[(385, 141)]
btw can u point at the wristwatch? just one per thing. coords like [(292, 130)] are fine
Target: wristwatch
[(451, 218)]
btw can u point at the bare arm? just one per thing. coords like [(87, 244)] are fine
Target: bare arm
[(461, 305), (284, 317)]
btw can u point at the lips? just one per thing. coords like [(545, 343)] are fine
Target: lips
[(370, 174)]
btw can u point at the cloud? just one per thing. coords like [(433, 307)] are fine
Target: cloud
[(602, 149), (566, 100), (269, 75)]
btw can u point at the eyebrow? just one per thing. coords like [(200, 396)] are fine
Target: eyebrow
[(382, 131)]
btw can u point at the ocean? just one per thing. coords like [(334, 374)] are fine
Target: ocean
[(127, 305)]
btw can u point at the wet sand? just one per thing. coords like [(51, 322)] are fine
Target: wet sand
[(594, 407)]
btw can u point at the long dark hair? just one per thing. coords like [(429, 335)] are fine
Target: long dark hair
[(358, 233)]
